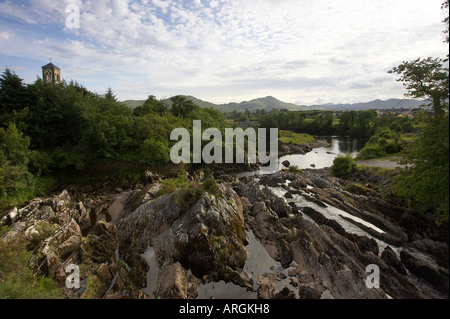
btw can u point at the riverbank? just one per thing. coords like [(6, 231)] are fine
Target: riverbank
[(391, 162)]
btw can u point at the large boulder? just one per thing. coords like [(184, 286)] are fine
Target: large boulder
[(175, 283), (57, 248), (424, 266), (205, 234)]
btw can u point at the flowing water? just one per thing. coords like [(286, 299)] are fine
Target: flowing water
[(259, 260)]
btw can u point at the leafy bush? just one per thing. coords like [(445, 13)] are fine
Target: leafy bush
[(154, 152), (384, 142), (343, 166), (391, 147), (170, 185), (371, 151)]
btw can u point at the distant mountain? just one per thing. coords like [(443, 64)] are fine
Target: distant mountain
[(133, 103), (269, 103), (377, 104)]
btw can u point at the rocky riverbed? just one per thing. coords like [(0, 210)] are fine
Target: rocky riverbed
[(283, 235)]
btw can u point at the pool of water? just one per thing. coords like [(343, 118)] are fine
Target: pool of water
[(152, 274), (259, 261)]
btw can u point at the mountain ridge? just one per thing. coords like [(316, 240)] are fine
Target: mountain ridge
[(269, 103)]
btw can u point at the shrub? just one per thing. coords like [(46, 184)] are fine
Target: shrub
[(170, 185), (371, 151), (391, 147), (294, 169), (154, 152), (343, 166)]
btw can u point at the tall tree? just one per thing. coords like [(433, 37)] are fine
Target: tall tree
[(445, 8), (110, 95), (13, 99), (425, 78), (426, 181)]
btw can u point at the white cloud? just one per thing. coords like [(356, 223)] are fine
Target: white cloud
[(230, 50)]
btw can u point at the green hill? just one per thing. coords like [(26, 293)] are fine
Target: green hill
[(267, 103), (132, 104)]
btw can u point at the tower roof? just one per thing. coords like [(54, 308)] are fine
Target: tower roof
[(50, 66)]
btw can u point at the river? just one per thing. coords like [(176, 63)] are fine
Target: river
[(259, 260), (319, 157), (323, 156)]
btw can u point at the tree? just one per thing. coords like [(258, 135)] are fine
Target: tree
[(110, 95), (343, 166), (181, 106), (151, 105), (425, 78), (15, 179), (445, 7), (154, 152), (13, 99), (425, 183)]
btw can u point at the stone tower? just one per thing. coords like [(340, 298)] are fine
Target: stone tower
[(51, 73)]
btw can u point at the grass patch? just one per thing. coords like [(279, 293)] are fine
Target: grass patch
[(17, 280), (293, 169), (189, 191), (290, 137)]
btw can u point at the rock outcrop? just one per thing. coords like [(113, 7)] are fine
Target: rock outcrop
[(61, 233), (321, 232), (205, 235), (334, 258)]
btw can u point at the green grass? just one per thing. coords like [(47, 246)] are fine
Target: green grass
[(290, 137), (17, 280), (189, 191)]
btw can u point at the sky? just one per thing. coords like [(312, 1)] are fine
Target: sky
[(299, 51)]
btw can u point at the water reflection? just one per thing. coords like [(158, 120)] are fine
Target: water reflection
[(343, 144), (324, 156)]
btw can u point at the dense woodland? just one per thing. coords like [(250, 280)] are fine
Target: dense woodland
[(60, 130)]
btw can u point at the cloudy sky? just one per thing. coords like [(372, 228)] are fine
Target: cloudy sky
[(299, 51)]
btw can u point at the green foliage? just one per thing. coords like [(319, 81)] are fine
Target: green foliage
[(18, 280), (343, 166), (13, 100), (181, 106), (170, 185), (69, 127), (426, 182), (151, 105), (384, 142), (154, 152), (426, 78), (352, 123), (294, 169), (188, 192), (15, 179), (295, 138), (371, 151)]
